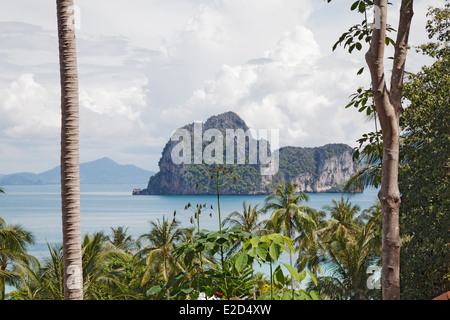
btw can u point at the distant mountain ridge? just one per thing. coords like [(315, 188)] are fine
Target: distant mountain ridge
[(101, 171)]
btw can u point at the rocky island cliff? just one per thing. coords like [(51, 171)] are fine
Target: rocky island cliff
[(319, 169)]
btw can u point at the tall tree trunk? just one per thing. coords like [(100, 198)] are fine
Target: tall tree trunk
[(389, 108), (290, 252), (2, 282), (166, 274), (70, 180)]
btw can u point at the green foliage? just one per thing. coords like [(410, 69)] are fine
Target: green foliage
[(14, 240), (424, 165), (102, 273), (287, 214), (423, 179), (248, 178), (360, 34), (294, 161), (267, 249), (111, 274), (231, 277), (286, 295), (158, 256), (97, 255), (248, 220), (348, 245), (363, 101)]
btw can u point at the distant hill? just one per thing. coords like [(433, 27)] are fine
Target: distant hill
[(101, 171), (319, 169), (21, 178)]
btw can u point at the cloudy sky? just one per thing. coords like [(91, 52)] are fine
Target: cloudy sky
[(147, 67)]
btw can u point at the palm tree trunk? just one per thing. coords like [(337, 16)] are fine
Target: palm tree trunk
[(70, 180)]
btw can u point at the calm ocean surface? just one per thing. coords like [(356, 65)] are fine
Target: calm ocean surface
[(38, 209)]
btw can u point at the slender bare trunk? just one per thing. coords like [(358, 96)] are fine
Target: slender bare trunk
[(2, 282), (290, 252), (70, 180), (389, 108), (166, 271)]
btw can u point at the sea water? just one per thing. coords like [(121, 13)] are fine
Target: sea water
[(38, 210)]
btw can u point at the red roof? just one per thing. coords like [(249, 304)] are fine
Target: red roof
[(444, 296)]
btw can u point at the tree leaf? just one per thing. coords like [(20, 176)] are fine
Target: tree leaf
[(315, 295), (154, 290), (301, 276), (354, 5), (262, 251), (187, 290), (288, 241), (241, 261), (304, 295), (278, 277), (362, 6), (313, 278), (292, 271), (351, 48), (274, 251), (252, 252), (254, 241), (287, 295)]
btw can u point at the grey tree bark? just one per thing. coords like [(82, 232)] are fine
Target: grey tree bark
[(389, 108), (70, 180)]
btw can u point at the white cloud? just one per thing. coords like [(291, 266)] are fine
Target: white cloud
[(296, 47), (28, 109), (151, 66), (289, 89), (230, 32), (114, 101)]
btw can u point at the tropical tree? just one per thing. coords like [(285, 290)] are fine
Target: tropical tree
[(158, 256), (14, 240), (98, 254), (41, 282), (343, 218), (423, 174), (287, 215), (51, 276), (190, 264), (121, 240), (70, 172), (388, 106), (248, 220), (424, 177), (46, 281), (349, 261), (30, 283), (371, 218), (349, 255), (308, 243), (370, 155)]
